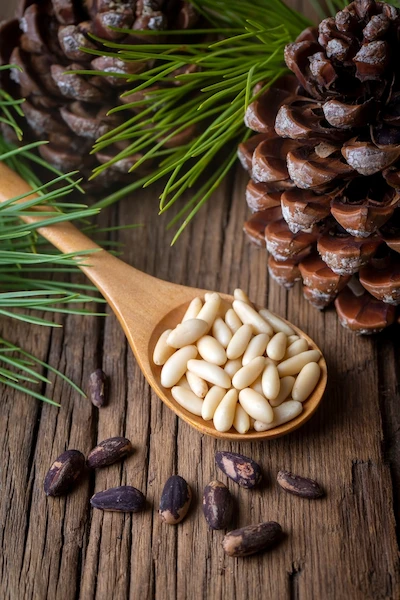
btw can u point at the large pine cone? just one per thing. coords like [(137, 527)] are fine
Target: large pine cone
[(70, 110), (325, 166)]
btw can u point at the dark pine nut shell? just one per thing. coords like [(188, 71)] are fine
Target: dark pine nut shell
[(299, 486)]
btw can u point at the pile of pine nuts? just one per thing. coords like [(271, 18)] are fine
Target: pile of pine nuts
[(240, 367)]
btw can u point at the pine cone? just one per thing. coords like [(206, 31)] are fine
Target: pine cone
[(328, 150), (70, 110)]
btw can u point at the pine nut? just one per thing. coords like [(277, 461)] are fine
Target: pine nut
[(232, 367), (176, 366), (197, 384), (162, 351), (210, 310), (193, 309), (285, 389), (241, 422), (252, 421), (232, 320), (256, 347), (225, 412), (249, 316), (241, 295), (211, 350), (211, 373), (187, 399), (292, 338), (277, 346), (297, 347), (282, 414), (187, 333), (183, 382), (293, 365), (257, 386), (239, 342), (271, 384), (248, 374), (223, 307), (306, 381), (221, 332), (276, 323), (256, 405), (211, 401)]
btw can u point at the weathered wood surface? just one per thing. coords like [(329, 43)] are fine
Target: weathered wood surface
[(342, 547)]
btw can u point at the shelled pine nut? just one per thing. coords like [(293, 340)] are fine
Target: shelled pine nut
[(211, 401), (256, 347), (306, 381), (162, 351), (211, 350), (241, 422), (211, 373), (232, 320), (286, 386), (249, 373), (277, 346), (221, 332), (282, 414), (256, 405), (297, 347), (293, 365), (249, 316), (197, 384), (187, 399), (225, 412), (193, 309), (239, 342), (176, 366), (236, 366), (187, 333), (233, 366), (276, 323)]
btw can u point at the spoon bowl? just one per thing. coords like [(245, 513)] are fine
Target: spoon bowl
[(145, 307)]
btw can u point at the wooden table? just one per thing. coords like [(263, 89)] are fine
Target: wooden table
[(343, 547)]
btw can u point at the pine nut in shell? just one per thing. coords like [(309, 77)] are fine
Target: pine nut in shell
[(277, 346), (239, 342), (221, 332), (211, 373), (232, 320), (193, 309), (248, 374), (176, 366), (241, 422), (210, 310), (270, 382), (276, 323), (300, 345), (232, 366), (286, 386), (249, 316), (257, 346), (197, 384), (187, 399), (293, 365), (306, 381), (162, 351), (225, 412), (211, 350), (187, 333), (256, 405), (287, 411), (211, 402)]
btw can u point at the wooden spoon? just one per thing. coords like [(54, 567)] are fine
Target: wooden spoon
[(145, 307)]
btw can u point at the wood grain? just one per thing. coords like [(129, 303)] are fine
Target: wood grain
[(341, 547)]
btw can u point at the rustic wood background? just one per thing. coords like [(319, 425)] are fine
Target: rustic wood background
[(342, 547)]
